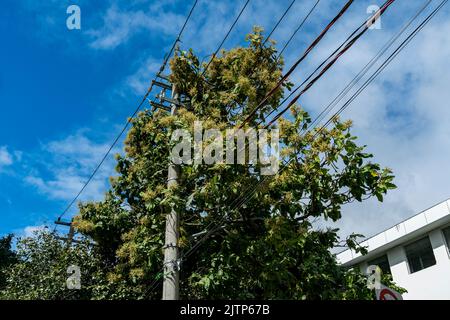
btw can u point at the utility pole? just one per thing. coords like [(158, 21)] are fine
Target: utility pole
[(171, 282), (71, 233)]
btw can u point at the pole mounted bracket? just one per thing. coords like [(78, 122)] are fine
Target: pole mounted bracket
[(170, 245), (175, 264)]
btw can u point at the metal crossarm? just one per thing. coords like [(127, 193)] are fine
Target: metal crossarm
[(159, 106), (162, 85)]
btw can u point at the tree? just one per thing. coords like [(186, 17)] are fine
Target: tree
[(7, 258), (266, 248), (40, 271)]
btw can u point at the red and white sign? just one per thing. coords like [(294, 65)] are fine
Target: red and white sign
[(385, 293)]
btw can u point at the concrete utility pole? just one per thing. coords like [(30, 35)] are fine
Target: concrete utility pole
[(171, 283)]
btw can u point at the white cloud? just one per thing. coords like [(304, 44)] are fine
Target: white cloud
[(138, 82), (120, 25), (30, 230), (61, 168), (206, 29), (6, 158)]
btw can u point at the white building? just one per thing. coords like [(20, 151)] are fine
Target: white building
[(415, 251)]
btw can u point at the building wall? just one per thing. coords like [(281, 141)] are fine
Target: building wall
[(427, 284)]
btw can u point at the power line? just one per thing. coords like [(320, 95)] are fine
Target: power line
[(332, 62), (298, 29), (378, 71), (226, 37), (386, 62), (166, 59), (317, 68), (366, 68), (279, 21), (107, 153), (321, 65), (295, 65), (129, 119)]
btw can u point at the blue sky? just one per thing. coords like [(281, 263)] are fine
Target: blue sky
[(66, 93)]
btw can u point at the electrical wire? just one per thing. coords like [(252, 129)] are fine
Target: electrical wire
[(279, 21), (386, 62), (113, 144), (295, 65), (367, 67), (226, 37), (298, 29), (166, 59), (333, 61), (318, 68)]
